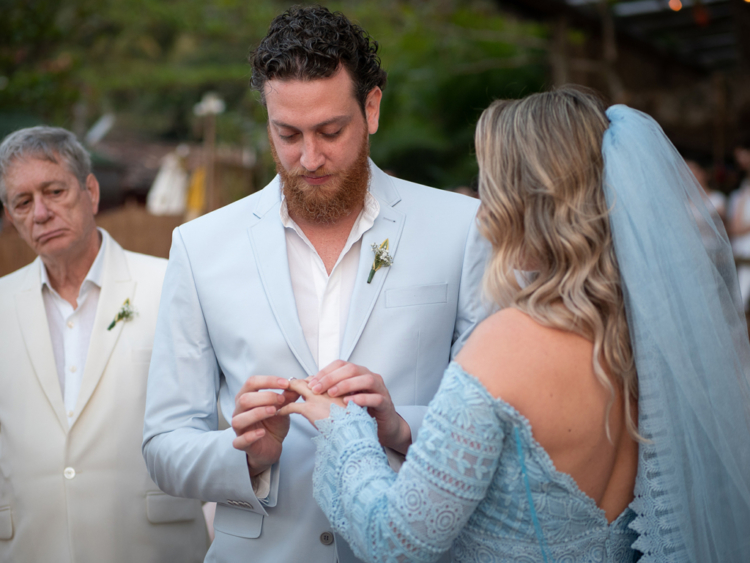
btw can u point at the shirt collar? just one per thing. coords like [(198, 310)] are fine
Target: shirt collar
[(363, 223), (95, 274)]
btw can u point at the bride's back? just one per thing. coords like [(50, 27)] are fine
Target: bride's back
[(547, 375), (561, 354)]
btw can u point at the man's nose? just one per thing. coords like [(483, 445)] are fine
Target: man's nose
[(312, 158), (41, 212)]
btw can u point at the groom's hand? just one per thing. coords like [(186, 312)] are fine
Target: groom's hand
[(259, 428), (367, 389)]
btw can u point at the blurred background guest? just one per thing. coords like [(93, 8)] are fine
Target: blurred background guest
[(717, 199), (76, 332), (739, 216)]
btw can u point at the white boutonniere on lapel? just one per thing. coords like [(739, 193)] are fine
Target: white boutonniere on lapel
[(382, 258), (125, 313)]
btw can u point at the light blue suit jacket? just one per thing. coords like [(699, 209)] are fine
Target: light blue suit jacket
[(228, 312)]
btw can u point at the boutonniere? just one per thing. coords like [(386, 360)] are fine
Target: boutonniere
[(382, 258), (125, 313)]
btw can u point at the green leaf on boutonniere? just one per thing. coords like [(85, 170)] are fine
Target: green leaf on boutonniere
[(382, 258), (125, 313)]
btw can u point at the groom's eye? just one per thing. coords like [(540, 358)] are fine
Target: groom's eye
[(331, 134)]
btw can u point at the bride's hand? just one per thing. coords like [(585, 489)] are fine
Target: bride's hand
[(315, 407)]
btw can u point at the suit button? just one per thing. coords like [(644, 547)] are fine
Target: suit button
[(69, 472), (326, 538)]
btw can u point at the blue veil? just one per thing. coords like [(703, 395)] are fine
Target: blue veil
[(691, 348)]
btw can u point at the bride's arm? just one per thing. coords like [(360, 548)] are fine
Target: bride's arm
[(415, 515)]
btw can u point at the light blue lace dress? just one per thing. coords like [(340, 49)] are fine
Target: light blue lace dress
[(466, 486)]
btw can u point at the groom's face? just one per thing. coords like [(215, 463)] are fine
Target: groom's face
[(320, 142)]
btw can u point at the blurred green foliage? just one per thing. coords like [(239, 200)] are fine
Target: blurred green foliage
[(65, 62)]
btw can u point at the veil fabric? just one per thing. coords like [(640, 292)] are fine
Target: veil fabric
[(691, 348)]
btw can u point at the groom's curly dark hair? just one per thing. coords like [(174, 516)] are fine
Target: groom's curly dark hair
[(310, 42)]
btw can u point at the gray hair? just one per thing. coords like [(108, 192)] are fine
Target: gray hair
[(45, 143)]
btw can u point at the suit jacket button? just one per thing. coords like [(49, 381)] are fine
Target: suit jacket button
[(326, 538)]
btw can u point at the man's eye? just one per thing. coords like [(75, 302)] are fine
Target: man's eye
[(332, 135), (23, 203)]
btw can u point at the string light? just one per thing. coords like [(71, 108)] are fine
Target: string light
[(676, 5)]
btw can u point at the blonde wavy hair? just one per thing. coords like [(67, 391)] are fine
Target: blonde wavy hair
[(543, 209)]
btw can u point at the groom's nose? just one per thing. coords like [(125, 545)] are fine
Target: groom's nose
[(312, 157)]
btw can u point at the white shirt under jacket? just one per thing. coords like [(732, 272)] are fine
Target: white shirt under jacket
[(70, 329), (322, 300)]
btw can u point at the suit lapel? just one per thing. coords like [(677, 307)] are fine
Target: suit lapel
[(32, 317), (117, 286), (269, 250), (389, 224)]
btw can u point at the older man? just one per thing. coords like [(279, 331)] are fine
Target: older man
[(76, 331), (334, 261)]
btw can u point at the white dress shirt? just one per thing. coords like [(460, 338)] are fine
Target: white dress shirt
[(70, 329), (322, 300)]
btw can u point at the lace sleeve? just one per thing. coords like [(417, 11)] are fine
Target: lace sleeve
[(415, 515)]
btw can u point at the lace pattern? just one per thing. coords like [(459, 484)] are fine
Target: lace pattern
[(461, 488)]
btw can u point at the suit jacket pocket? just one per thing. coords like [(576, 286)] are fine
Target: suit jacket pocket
[(6, 523), (417, 295), (162, 508), (238, 522)]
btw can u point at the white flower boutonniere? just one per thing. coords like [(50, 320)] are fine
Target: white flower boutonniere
[(382, 258), (125, 313)]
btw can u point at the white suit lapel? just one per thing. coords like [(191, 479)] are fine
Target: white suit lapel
[(117, 286), (32, 317), (389, 224), (269, 249)]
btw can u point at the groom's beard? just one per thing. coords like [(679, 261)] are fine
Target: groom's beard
[(331, 201)]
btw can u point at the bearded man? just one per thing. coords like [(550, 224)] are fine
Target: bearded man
[(333, 261)]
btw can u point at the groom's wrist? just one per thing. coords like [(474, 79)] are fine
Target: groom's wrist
[(254, 468)]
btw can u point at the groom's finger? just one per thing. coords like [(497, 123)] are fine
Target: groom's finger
[(252, 400), (333, 366), (369, 400), (363, 383), (333, 374), (258, 382), (244, 441), (244, 420)]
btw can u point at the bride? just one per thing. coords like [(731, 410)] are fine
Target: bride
[(602, 413)]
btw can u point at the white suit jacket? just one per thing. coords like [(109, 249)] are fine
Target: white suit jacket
[(228, 312), (82, 494)]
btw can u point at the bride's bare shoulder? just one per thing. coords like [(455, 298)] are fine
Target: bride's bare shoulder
[(513, 355)]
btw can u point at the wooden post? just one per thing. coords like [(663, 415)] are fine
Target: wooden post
[(209, 140)]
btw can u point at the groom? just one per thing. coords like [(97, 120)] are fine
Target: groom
[(282, 284)]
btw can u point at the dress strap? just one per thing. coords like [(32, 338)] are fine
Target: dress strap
[(534, 519)]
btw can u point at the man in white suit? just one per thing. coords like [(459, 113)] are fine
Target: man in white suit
[(282, 284), (76, 331)]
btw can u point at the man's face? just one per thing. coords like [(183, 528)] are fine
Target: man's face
[(319, 139), (48, 207)]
